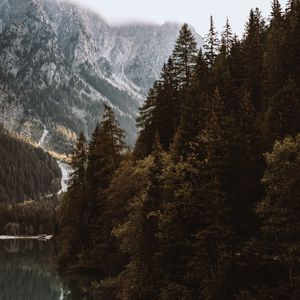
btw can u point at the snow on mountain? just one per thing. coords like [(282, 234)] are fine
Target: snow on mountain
[(63, 62)]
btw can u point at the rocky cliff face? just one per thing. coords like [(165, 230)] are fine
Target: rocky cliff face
[(59, 63)]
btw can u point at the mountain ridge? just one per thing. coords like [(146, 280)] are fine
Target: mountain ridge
[(63, 62)]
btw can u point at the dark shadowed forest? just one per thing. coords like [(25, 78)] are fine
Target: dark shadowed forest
[(29, 180), (206, 206), (26, 172)]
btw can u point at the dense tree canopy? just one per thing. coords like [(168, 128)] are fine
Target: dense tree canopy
[(198, 210), (26, 172)]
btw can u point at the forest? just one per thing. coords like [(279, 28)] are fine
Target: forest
[(27, 172), (206, 205), (29, 181)]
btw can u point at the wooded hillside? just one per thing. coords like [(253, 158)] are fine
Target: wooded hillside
[(26, 172)]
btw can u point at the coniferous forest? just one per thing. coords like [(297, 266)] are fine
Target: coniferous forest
[(206, 206), (27, 172), (29, 180)]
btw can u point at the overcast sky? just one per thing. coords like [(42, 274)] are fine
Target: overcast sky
[(194, 12)]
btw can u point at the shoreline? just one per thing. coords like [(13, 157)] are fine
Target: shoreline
[(43, 237)]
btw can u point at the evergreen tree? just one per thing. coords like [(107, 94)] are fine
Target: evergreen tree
[(184, 56), (279, 211), (212, 43), (194, 109), (169, 106), (253, 56), (237, 66), (161, 113), (274, 54), (248, 172), (227, 38), (177, 220), (283, 112), (292, 36), (222, 73), (138, 236), (107, 156), (147, 122), (72, 213)]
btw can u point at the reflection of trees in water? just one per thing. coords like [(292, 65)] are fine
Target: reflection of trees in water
[(80, 287), (14, 246), (28, 285), (28, 271)]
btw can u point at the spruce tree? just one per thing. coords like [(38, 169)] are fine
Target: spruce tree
[(253, 57), (279, 212), (215, 239), (184, 56), (227, 38), (107, 155), (283, 112), (194, 109), (161, 113), (292, 36), (221, 72), (212, 43), (147, 122), (139, 235), (274, 70), (73, 231)]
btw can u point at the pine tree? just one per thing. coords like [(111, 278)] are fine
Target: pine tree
[(184, 56), (222, 72), (212, 43), (236, 65), (105, 159), (292, 36), (227, 38), (161, 113), (284, 111), (138, 236), (73, 231), (215, 240), (274, 70), (169, 106), (194, 109), (248, 172), (253, 56), (93, 164), (279, 212), (147, 122)]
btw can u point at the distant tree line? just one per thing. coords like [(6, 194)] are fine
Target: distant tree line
[(28, 218), (26, 172), (207, 204)]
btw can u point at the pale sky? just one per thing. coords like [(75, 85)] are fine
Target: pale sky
[(194, 12)]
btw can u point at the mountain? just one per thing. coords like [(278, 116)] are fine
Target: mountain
[(59, 63)]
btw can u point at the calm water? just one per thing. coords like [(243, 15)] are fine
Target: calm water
[(28, 272)]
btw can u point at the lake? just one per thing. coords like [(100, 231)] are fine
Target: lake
[(28, 272)]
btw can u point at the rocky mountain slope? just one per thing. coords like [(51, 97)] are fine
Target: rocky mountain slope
[(59, 63)]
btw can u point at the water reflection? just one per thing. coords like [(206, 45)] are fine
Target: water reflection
[(28, 271)]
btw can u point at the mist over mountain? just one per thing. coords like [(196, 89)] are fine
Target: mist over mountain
[(59, 63)]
